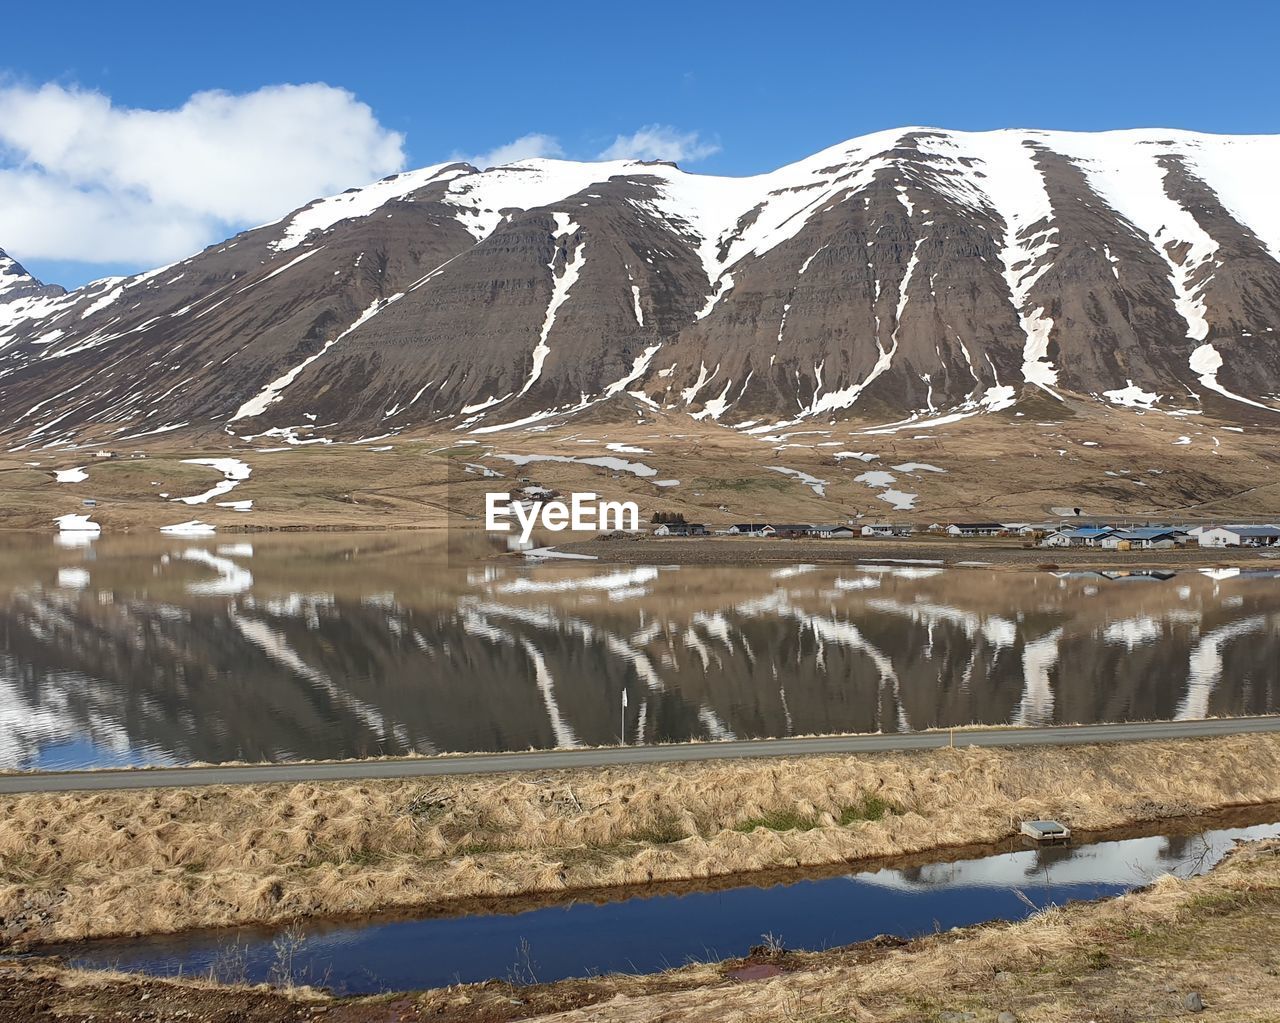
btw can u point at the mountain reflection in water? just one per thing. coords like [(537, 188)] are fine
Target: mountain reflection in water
[(159, 651)]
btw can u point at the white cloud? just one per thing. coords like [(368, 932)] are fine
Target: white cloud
[(83, 179), (526, 147), (660, 142), (652, 142)]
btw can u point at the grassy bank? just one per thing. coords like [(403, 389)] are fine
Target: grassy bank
[(88, 864), (1208, 941)]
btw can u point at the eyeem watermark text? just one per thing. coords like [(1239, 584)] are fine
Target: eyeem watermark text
[(583, 512)]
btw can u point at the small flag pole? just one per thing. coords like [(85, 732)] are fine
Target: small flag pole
[(624, 716)]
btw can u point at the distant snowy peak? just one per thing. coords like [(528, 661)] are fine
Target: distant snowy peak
[(16, 283)]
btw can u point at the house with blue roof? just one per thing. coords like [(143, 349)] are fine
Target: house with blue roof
[(1143, 538), (1084, 536)]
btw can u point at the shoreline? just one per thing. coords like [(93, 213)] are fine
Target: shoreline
[(920, 554), (921, 551)]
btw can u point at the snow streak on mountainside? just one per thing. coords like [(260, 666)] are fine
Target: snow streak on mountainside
[(913, 276)]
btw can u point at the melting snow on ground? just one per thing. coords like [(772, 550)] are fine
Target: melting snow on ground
[(481, 470), (234, 473), (1132, 396), (876, 478), (1205, 362), (918, 467), (77, 524), (192, 528), (900, 500), (551, 552), (602, 461), (77, 475), (818, 486)]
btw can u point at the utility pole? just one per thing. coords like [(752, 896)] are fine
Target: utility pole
[(624, 715)]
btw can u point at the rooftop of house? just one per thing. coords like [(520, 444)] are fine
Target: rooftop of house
[(1145, 532)]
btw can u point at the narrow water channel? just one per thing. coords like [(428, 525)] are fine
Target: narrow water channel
[(645, 934)]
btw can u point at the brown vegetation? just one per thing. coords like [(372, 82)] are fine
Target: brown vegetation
[(95, 864), (995, 467)]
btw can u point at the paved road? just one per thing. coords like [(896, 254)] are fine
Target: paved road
[(549, 760)]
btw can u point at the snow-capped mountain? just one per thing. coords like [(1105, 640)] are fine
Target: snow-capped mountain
[(16, 283), (905, 276)]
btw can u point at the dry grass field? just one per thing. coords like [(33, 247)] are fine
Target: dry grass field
[(96, 864), (1009, 466)]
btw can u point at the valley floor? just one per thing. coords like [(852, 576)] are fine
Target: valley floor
[(1210, 944), (1109, 463)]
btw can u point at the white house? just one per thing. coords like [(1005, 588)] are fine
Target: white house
[(1240, 536), (886, 530), (975, 529), (751, 529), (1085, 536)]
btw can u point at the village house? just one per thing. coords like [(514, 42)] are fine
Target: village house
[(751, 529), (793, 530), (975, 529), (1240, 536), (1084, 536), (680, 529), (1033, 529), (1150, 538), (881, 529), (832, 532)]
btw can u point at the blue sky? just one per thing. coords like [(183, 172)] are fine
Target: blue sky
[(748, 85)]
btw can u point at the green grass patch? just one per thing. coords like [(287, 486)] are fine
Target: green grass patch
[(740, 484), (661, 829), (779, 820), (869, 808)]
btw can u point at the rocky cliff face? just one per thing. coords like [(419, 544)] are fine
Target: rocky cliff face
[(909, 275)]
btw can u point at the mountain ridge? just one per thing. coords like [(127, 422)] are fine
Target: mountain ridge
[(912, 276)]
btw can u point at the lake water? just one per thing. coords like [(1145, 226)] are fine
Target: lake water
[(649, 933), (151, 650)]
